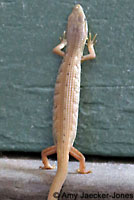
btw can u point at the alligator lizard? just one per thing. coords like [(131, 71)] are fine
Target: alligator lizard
[(66, 97)]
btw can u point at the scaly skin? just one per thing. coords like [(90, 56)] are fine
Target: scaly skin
[(66, 97)]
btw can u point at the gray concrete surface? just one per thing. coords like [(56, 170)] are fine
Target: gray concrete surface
[(21, 179)]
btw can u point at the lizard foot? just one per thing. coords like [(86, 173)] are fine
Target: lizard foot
[(83, 171), (91, 42), (63, 36), (47, 167)]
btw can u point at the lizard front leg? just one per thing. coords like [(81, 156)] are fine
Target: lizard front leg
[(63, 43), (47, 152), (90, 45), (79, 156)]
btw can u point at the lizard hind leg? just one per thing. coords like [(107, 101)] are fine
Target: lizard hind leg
[(79, 156), (47, 152)]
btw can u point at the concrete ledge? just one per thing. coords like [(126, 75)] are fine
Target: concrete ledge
[(21, 179)]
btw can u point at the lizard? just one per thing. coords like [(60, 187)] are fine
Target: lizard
[(66, 97)]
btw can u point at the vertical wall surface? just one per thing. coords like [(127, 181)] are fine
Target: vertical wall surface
[(28, 32)]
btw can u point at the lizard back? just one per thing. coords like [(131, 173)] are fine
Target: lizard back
[(67, 88)]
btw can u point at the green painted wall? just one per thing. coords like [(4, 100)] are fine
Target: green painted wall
[(28, 32)]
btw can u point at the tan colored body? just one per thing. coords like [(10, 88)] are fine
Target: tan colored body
[(66, 97)]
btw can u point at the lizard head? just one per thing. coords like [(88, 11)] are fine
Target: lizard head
[(77, 24)]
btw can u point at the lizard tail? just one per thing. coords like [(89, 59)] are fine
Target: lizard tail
[(62, 157)]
